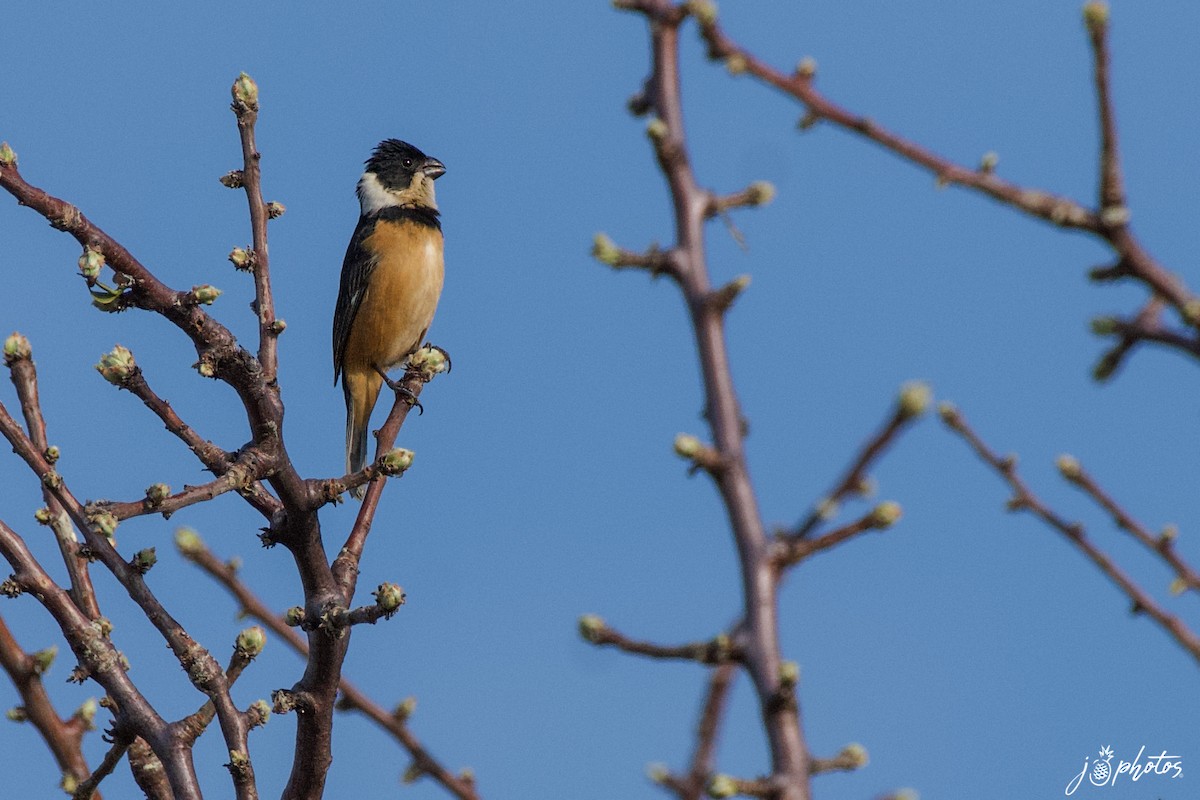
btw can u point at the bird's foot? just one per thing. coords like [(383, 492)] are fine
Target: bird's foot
[(403, 391)]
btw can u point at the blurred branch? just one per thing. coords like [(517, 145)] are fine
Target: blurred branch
[(1023, 499), (725, 459), (1110, 222), (722, 649), (64, 737), (911, 404)]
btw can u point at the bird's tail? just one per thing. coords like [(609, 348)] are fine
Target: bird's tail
[(361, 391)]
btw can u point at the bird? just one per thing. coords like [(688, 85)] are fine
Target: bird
[(390, 284)]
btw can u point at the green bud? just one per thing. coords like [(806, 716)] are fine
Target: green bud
[(1104, 326), (396, 461), (86, 713), (807, 68), (1169, 532), (705, 11), (404, 709), (260, 712), (914, 399), (43, 516), (144, 559), (68, 783), (1114, 216), (1177, 587), (429, 360), (7, 157), (43, 659), (886, 514), (988, 162), (251, 641), (760, 193), (722, 786), (605, 250), (1191, 312), (188, 542), (828, 508), (413, 774), (658, 773), (17, 714), (294, 617), (102, 626), (52, 453), (238, 760), (206, 368), (205, 294), (90, 264), (388, 597), (1095, 14), (275, 210), (657, 130), (241, 258), (104, 523), (156, 493), (245, 91), (591, 627), (736, 64), (688, 446), (16, 348), (232, 180), (117, 365), (855, 753), (789, 673), (1069, 467)]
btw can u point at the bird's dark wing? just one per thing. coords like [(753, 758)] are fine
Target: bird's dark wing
[(356, 272)]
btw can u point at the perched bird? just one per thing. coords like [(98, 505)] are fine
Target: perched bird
[(391, 281)]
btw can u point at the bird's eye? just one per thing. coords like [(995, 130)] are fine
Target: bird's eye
[(408, 162)]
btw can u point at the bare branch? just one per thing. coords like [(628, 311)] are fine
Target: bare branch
[(1024, 500)]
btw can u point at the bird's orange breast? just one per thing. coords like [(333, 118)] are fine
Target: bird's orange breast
[(401, 296)]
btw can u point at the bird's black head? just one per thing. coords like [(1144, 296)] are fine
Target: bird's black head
[(398, 174), (396, 162)]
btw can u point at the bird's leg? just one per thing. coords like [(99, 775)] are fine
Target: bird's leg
[(399, 389)]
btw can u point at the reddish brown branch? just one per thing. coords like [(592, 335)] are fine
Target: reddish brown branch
[(723, 649), (24, 377), (1110, 223), (64, 737), (352, 697), (1161, 545), (692, 207), (101, 660), (1024, 500), (203, 671), (345, 566), (910, 405), (245, 106), (691, 786)]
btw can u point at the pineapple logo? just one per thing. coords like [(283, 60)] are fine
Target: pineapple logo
[(1102, 770)]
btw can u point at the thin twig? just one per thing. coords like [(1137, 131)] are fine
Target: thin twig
[(1024, 500)]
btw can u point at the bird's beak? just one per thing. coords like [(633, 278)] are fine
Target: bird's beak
[(433, 169)]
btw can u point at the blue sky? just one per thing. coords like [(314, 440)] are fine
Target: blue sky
[(973, 653)]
